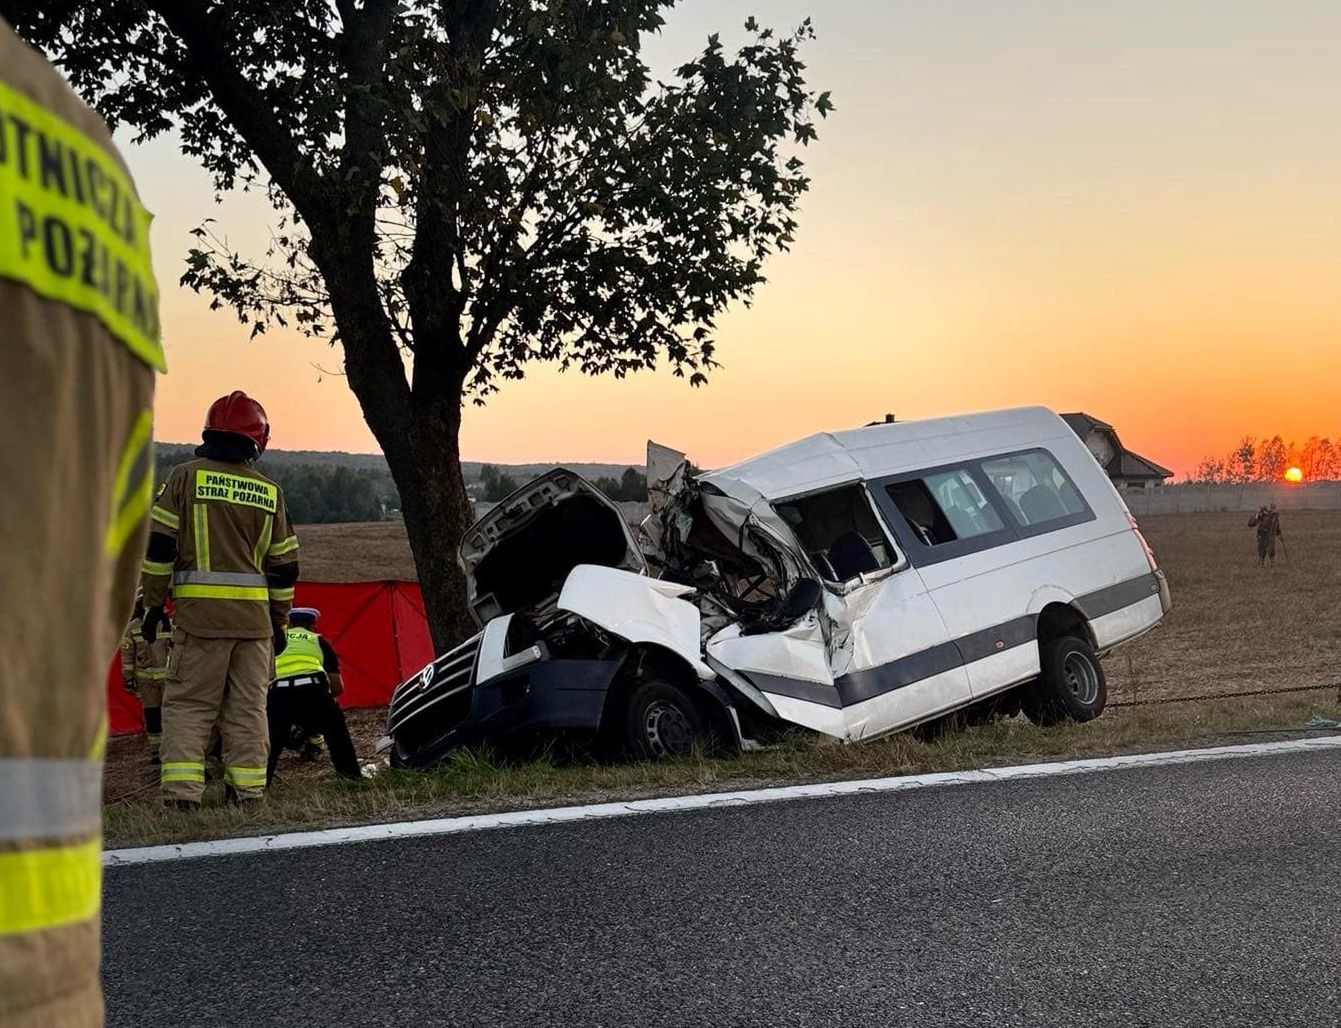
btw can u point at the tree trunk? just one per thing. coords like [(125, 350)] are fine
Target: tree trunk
[(420, 437), (425, 462)]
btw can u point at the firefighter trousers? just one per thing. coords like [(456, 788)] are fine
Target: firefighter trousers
[(312, 708), (211, 681)]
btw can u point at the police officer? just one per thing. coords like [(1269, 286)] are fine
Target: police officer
[(144, 665), (307, 682), (79, 343), (221, 542)]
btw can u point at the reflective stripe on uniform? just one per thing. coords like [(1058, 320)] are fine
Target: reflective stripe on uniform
[(244, 776), (182, 771), (165, 517), (218, 578), (219, 585), (262, 546), (151, 567), (201, 535), (283, 546), (133, 487), (72, 228), (45, 798), (282, 594), (50, 887), (220, 592)]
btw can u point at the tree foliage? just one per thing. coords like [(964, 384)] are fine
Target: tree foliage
[(630, 487), (461, 188), (520, 187), (1318, 458), (495, 484)]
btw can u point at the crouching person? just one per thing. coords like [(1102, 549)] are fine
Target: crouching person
[(302, 696)]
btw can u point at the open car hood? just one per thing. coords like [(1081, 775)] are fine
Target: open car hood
[(519, 554)]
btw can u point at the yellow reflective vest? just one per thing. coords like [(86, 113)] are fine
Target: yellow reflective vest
[(301, 656)]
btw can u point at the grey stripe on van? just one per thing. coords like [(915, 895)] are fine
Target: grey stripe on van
[(795, 688), (1115, 597), (998, 638), (859, 686)]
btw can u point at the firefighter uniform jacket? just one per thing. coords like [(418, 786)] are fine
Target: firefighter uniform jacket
[(143, 663), (78, 349), (236, 553)]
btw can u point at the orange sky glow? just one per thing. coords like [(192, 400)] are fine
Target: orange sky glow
[(1130, 209)]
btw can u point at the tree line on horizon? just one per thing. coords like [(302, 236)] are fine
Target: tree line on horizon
[(315, 494), (494, 484), (1267, 460)]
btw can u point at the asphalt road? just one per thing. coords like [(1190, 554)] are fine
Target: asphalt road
[(1195, 895)]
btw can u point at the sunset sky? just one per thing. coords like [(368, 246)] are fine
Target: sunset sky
[(1132, 209)]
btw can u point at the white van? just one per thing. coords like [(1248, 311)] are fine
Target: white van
[(855, 583)]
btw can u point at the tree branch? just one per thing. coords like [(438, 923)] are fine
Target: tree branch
[(245, 106)]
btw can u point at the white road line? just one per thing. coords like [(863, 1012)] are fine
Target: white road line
[(559, 815)]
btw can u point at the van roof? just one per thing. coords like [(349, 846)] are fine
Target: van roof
[(834, 458)]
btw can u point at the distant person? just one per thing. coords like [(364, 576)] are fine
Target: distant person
[(302, 696), (144, 665), (1267, 523)]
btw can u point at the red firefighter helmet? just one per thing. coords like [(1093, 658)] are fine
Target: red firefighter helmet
[(240, 414)]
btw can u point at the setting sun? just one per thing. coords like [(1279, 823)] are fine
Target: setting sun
[(1294, 475)]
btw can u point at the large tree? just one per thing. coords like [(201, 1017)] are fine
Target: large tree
[(461, 188)]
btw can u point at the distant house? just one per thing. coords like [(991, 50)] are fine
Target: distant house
[(1128, 470)]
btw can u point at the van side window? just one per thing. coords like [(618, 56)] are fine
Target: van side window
[(1035, 488), (839, 532), (945, 506)]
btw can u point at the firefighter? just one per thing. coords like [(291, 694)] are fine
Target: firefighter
[(220, 542), (144, 665), (77, 359), (302, 696)]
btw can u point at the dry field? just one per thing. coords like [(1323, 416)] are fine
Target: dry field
[(1234, 626)]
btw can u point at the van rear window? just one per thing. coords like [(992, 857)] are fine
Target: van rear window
[(1035, 488), (945, 506), (957, 509)]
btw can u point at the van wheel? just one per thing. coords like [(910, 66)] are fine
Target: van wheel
[(661, 722), (1071, 685)]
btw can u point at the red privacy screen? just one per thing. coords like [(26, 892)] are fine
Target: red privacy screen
[(378, 628)]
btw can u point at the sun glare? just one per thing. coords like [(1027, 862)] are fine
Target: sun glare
[(1294, 475)]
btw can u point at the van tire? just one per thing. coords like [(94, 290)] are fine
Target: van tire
[(1071, 685), (662, 722)]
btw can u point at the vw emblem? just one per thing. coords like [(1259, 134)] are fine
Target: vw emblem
[(426, 677)]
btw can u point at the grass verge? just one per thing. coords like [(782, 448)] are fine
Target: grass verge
[(474, 783)]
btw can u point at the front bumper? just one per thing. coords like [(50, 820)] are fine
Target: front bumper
[(545, 696)]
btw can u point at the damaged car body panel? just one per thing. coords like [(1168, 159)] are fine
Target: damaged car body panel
[(558, 583), (854, 583)]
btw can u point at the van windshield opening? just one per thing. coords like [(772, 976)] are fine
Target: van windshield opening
[(840, 533)]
